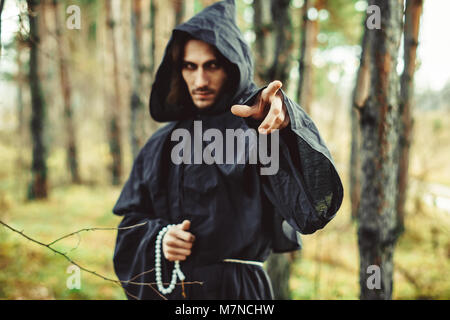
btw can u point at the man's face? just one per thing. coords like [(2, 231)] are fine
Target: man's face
[(204, 76)]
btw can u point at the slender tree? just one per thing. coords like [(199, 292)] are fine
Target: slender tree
[(66, 87), (179, 7), (152, 27), (2, 4), (411, 40), (279, 265), (360, 95), (283, 41), (145, 125), (206, 3), (21, 82), (262, 26), (377, 233), (113, 107), (38, 185), (136, 91), (307, 45)]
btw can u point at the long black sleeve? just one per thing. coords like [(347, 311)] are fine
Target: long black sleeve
[(135, 247), (306, 190)]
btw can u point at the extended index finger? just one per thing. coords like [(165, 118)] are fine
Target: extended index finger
[(272, 90)]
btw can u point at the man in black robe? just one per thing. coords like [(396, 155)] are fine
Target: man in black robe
[(229, 216)]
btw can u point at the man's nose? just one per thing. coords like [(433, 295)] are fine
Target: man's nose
[(201, 79)]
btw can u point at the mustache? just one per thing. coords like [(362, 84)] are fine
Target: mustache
[(202, 90)]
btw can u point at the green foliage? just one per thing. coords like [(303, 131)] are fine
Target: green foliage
[(344, 25), (197, 6)]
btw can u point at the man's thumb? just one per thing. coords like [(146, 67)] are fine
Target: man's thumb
[(242, 110), (185, 225)]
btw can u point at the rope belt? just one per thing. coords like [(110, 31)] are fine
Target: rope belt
[(256, 263)]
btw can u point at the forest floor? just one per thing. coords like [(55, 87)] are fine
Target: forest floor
[(326, 268)]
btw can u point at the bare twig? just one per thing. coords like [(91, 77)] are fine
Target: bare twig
[(94, 229), (118, 282)]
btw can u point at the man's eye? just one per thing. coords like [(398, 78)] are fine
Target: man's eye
[(213, 65), (189, 66)]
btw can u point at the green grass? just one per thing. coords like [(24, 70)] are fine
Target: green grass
[(30, 271)]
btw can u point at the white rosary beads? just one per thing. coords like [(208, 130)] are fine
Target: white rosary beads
[(176, 270)]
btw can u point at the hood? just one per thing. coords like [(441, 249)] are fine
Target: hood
[(217, 26)]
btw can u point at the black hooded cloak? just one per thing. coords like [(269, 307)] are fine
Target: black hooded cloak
[(235, 212)]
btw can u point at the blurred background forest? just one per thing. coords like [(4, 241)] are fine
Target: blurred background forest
[(74, 113)]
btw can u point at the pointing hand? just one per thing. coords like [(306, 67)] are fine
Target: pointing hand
[(268, 104)]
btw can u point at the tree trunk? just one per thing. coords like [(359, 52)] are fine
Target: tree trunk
[(114, 105), (360, 95), (152, 26), (66, 87), (179, 8), (283, 41), (279, 265), (20, 81), (136, 104), (2, 3), (262, 26), (164, 24), (309, 33), (411, 41), (377, 233), (206, 3), (38, 185), (279, 270), (145, 123)]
